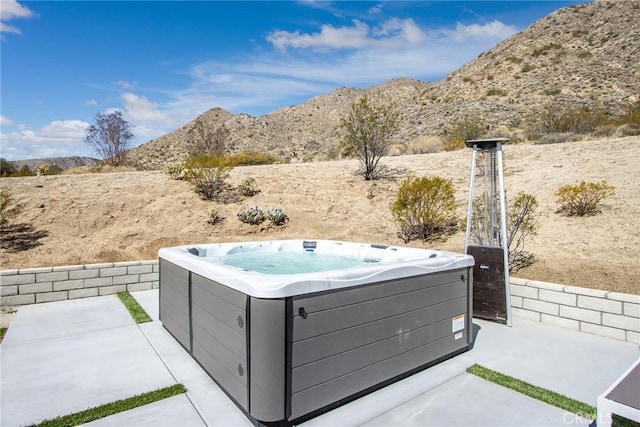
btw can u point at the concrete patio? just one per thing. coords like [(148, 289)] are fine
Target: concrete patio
[(62, 357)]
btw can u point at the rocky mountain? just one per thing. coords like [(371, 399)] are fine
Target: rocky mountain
[(585, 55), (61, 162)]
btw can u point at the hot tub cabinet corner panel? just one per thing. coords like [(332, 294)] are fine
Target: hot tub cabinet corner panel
[(284, 360), (174, 298)]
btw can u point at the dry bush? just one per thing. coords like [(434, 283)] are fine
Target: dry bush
[(9, 209), (175, 170), (584, 198), (252, 158), (208, 176), (248, 187), (461, 131), (424, 145), (425, 208)]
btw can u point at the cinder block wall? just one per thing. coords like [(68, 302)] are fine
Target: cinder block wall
[(610, 314), (35, 285)]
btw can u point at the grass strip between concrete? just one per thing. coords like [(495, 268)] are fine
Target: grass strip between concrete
[(547, 396), (539, 393), (136, 311), (112, 408)]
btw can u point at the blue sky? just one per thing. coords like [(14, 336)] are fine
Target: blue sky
[(162, 63)]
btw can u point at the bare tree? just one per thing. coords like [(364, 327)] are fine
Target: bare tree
[(110, 137), (365, 133), (208, 142)]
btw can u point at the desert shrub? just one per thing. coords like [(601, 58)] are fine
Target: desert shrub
[(544, 50), (527, 67), (366, 132), (251, 158), (584, 198), (422, 145), (208, 176), (631, 117), (6, 168), (214, 217), (461, 131), (252, 215), (175, 170), (248, 187), (564, 117), (8, 207), (425, 208), (205, 140), (554, 138), (494, 91), (453, 144), (522, 222), (277, 216)]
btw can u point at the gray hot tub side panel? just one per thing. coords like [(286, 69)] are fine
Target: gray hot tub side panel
[(268, 350), (355, 339), (219, 335), (174, 302)]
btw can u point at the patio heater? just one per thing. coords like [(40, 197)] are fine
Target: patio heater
[(486, 233)]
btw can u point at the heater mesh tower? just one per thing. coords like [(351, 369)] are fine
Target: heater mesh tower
[(486, 232)]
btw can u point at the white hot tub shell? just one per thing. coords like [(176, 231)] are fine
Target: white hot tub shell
[(287, 347)]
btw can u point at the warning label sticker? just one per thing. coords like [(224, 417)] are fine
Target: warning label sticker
[(457, 323)]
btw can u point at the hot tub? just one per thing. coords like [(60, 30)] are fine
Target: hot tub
[(290, 329)]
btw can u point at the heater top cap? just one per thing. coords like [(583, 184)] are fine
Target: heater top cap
[(485, 143)]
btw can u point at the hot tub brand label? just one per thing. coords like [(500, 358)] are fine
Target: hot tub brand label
[(457, 323)]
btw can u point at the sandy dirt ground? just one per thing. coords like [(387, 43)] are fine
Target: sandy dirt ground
[(78, 219)]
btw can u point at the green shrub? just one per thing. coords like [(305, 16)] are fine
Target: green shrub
[(494, 91), (251, 158), (252, 215), (208, 176), (8, 208), (6, 168), (248, 187), (564, 117), (277, 216), (584, 198), (175, 170), (425, 208), (214, 217)]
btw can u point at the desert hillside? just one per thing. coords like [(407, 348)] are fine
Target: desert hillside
[(75, 219), (582, 56)]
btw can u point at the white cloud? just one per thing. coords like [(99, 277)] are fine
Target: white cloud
[(328, 37), (11, 9), (58, 138), (494, 30), (123, 84), (4, 28), (91, 103), (5, 121), (392, 33), (139, 108)]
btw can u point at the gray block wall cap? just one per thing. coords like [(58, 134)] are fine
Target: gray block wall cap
[(485, 143)]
